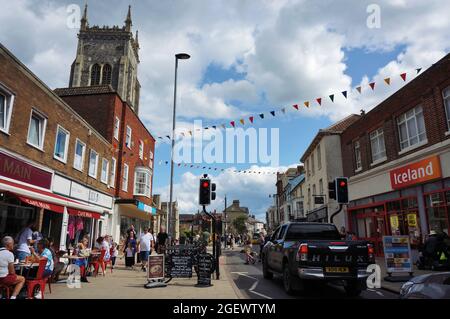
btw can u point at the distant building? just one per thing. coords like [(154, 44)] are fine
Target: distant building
[(174, 220), (234, 211)]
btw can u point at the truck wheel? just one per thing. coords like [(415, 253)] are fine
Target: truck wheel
[(353, 288), (288, 281), (266, 273)]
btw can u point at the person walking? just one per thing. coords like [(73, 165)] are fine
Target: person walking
[(161, 240), (146, 243)]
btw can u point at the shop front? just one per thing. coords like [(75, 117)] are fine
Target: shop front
[(136, 213), (417, 203)]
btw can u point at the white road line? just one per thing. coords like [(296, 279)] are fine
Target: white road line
[(254, 285), (259, 294), (244, 274)]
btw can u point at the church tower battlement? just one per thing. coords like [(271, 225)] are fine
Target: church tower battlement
[(108, 56)]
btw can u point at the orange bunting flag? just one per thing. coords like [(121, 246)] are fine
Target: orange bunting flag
[(319, 100), (403, 76), (358, 89), (388, 81), (242, 121), (372, 85), (307, 103), (295, 106)]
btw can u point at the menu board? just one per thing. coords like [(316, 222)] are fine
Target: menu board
[(397, 254), (205, 268), (155, 267), (180, 266)]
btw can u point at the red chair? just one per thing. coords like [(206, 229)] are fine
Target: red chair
[(40, 280), (6, 290), (109, 262), (99, 263)]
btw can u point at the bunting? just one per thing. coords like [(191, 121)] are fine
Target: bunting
[(388, 81)]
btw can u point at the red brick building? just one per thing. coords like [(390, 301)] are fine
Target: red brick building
[(54, 165), (397, 158)]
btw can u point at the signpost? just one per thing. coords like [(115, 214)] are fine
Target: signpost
[(397, 255)]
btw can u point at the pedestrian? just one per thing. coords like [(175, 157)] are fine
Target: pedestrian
[(129, 256), (161, 240), (249, 253), (8, 275), (114, 254), (146, 243), (261, 242)]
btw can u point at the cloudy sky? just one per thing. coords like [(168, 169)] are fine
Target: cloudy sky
[(248, 57)]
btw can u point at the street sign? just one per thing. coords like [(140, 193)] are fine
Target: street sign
[(319, 200), (155, 267)]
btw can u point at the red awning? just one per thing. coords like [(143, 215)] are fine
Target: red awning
[(83, 213), (41, 204)]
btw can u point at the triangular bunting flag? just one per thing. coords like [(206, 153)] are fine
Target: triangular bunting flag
[(272, 112), (358, 89), (206, 128), (222, 125), (232, 123), (168, 137), (295, 106), (344, 93), (283, 110), (261, 115), (190, 133), (418, 70), (242, 121), (251, 119), (332, 98), (372, 85), (403, 76), (307, 103), (388, 81), (214, 127), (182, 134), (319, 100)]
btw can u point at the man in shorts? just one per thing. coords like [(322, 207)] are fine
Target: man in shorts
[(146, 243), (8, 275)]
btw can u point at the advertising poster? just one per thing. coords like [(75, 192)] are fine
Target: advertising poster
[(397, 254), (155, 267)]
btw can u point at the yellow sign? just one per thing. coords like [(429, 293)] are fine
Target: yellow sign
[(394, 221), (412, 220)]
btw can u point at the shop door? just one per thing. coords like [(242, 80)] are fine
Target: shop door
[(372, 227)]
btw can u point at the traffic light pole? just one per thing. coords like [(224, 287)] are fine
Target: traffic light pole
[(215, 250), (335, 213)]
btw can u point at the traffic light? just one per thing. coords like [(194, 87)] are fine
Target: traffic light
[(213, 191), (332, 190), (342, 190), (205, 191)]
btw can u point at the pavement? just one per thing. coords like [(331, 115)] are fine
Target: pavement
[(129, 284)]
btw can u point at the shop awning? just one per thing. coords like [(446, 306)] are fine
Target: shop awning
[(47, 200)]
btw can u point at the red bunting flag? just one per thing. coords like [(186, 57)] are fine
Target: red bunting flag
[(403, 75), (232, 123), (251, 119), (295, 106), (358, 89), (319, 100), (388, 81), (307, 103), (372, 85)]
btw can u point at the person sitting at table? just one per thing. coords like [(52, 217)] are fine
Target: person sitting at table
[(8, 275), (82, 251), (58, 265), (44, 252), (24, 241), (98, 243)]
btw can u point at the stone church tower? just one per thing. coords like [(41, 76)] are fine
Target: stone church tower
[(108, 56)]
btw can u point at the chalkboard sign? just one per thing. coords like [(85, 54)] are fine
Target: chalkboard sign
[(180, 266), (205, 267)]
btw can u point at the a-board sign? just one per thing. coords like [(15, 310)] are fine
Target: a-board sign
[(205, 268), (397, 254), (155, 269), (180, 266)]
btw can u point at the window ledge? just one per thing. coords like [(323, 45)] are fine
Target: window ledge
[(447, 133), (62, 160), (78, 169), (92, 176), (379, 161), (4, 131), (413, 147), (36, 147)]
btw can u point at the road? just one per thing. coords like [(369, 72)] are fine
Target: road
[(250, 282)]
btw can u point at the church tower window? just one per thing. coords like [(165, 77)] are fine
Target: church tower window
[(106, 75), (95, 74)]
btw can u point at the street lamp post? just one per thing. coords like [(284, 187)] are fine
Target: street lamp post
[(179, 56)]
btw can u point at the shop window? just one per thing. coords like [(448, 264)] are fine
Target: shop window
[(93, 164), (361, 228), (358, 162), (112, 177), (6, 106), (447, 196), (125, 178), (128, 137), (104, 174), (438, 219), (377, 145), (78, 159), (430, 187), (116, 128), (61, 144), (393, 206), (36, 130), (411, 127), (435, 200), (446, 96)]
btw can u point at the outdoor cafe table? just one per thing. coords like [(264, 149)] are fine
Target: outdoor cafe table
[(19, 267)]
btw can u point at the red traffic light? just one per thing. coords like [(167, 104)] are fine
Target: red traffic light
[(342, 184), (205, 184)]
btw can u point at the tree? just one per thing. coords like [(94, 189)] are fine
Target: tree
[(240, 224)]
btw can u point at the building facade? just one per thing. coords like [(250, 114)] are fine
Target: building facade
[(54, 166), (323, 163), (398, 159), (232, 212)]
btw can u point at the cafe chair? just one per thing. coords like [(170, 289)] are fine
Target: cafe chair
[(99, 263), (6, 290), (109, 262), (40, 280)]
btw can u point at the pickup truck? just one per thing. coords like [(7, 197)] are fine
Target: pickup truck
[(308, 252)]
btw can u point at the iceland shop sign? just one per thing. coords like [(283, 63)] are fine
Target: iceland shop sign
[(418, 172)]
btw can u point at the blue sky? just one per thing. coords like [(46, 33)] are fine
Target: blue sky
[(245, 59)]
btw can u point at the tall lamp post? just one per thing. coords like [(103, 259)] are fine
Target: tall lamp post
[(179, 56)]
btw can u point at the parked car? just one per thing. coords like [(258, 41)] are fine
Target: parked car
[(307, 252), (429, 286)]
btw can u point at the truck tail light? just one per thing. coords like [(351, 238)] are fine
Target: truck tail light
[(370, 251), (302, 253)]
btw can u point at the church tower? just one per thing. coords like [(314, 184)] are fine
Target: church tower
[(108, 56)]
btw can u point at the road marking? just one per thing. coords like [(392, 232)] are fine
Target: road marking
[(244, 274), (259, 294)]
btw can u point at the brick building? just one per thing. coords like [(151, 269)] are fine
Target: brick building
[(54, 166), (397, 158), (110, 104)]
